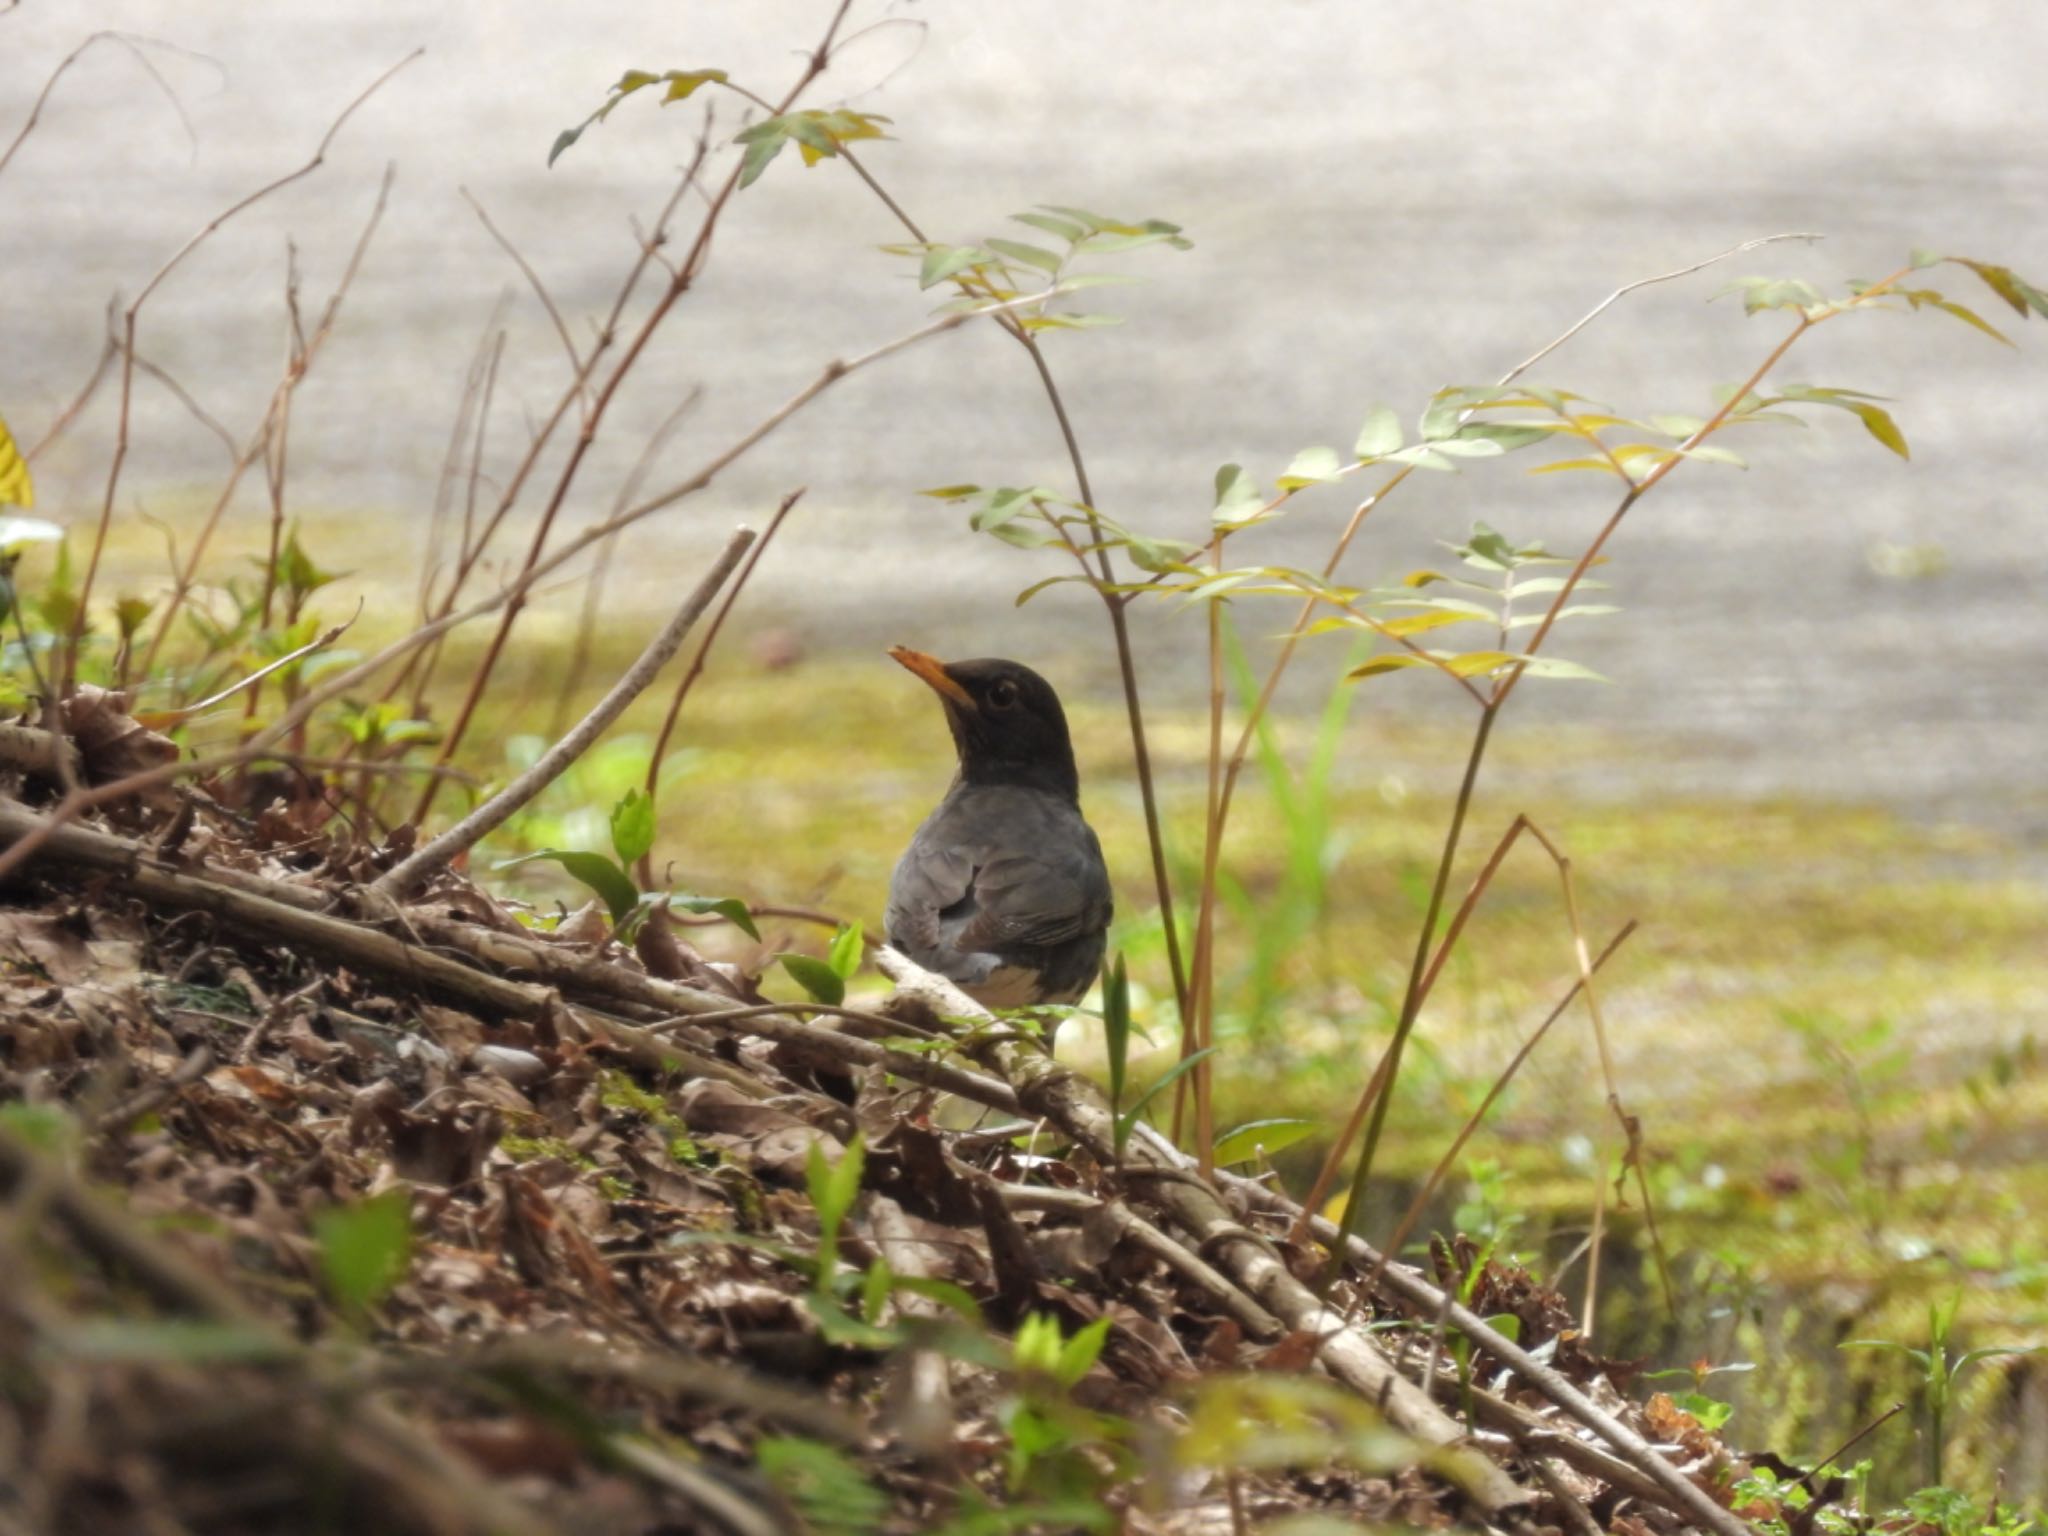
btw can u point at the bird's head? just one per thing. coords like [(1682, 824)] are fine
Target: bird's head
[(1007, 723)]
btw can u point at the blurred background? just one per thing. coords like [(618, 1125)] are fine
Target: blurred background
[(1815, 777)]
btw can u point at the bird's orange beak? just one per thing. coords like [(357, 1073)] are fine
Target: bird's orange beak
[(934, 673)]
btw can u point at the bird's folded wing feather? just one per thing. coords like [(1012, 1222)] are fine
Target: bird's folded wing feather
[(957, 891), (1022, 898)]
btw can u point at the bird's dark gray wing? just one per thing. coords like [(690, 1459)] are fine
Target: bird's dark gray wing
[(994, 871)]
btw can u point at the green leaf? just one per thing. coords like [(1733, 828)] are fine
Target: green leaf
[(1422, 623), (1423, 456), (1311, 466), (1238, 498), (1024, 535), (1257, 1136), (1380, 435), (1441, 418), (1971, 318), (611, 884), (827, 1488), (824, 984), (633, 827), (364, 1248), (1393, 661), (942, 262), (952, 492), (761, 151), (1762, 293), (1711, 1412), (1922, 258), (834, 1186), (844, 953), (684, 83), (2002, 281), (564, 139), (1880, 425), (1129, 1118), (1557, 667), (731, 908), (1079, 1354), (1510, 435), (1116, 1032), (1558, 466), (1065, 229), (1031, 255), (1463, 447)]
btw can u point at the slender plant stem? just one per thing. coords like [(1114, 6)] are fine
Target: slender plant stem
[(1114, 604), (680, 283), (1473, 1121), (84, 799), (74, 641), (1411, 1007)]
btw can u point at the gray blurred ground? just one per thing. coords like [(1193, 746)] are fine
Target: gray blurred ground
[(1385, 198)]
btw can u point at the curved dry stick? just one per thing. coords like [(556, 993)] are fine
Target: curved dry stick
[(540, 289), (494, 812), (132, 42)]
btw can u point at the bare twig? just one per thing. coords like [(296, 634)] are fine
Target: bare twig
[(133, 43), (540, 288), (81, 800), (685, 276), (703, 655), (494, 812), (185, 577), (319, 642), (69, 664)]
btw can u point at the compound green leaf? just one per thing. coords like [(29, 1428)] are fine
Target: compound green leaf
[(1879, 424), (1381, 434), (1030, 255), (1311, 466), (943, 261)]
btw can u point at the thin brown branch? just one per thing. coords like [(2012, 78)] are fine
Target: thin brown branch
[(1406, 1226), (68, 666), (133, 43), (186, 576), (703, 656), (540, 289), (81, 800), (685, 277)]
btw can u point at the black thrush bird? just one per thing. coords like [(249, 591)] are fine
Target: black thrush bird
[(1003, 890)]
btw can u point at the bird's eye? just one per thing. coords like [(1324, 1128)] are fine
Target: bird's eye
[(1003, 694)]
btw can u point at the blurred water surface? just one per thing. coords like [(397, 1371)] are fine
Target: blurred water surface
[(1384, 197)]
